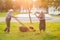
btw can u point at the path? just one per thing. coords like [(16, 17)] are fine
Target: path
[(25, 18)]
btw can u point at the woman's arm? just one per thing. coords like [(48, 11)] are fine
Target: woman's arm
[(36, 16)]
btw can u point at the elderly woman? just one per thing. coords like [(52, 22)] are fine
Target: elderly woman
[(41, 17), (8, 19), (42, 21)]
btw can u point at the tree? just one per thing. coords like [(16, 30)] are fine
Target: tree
[(5, 5)]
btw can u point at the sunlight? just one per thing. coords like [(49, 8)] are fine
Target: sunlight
[(13, 0), (34, 0)]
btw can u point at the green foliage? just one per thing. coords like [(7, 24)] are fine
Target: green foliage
[(7, 4), (15, 34)]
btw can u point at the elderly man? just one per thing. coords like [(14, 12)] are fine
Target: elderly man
[(8, 19)]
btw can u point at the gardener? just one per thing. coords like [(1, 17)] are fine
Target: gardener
[(8, 19), (42, 21), (41, 18)]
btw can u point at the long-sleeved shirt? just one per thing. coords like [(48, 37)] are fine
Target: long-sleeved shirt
[(41, 16), (9, 14)]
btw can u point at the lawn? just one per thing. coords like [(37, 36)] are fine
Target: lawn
[(58, 16), (52, 32), (3, 14)]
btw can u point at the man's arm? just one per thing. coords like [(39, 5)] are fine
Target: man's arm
[(13, 16)]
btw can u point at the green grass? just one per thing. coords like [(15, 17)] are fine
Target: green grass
[(3, 14), (15, 34), (58, 16)]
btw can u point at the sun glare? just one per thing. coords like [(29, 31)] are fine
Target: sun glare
[(13, 0), (34, 0)]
